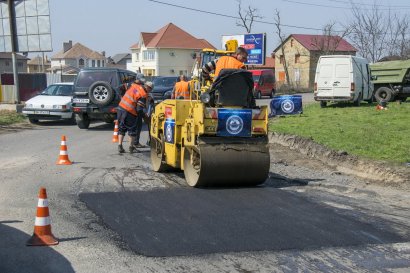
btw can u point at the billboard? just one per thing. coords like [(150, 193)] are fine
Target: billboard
[(255, 45), (31, 21)]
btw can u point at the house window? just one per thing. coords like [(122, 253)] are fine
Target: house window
[(183, 72), (81, 62), (93, 63), (137, 57), (148, 55), (282, 59), (297, 58), (19, 64), (98, 63), (102, 63), (291, 42), (7, 63)]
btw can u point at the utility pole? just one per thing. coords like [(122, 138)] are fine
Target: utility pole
[(12, 21)]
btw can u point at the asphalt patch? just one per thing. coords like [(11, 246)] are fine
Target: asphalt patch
[(188, 221)]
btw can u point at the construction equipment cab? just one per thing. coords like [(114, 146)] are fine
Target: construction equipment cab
[(342, 78)]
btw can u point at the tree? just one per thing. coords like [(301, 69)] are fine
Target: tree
[(328, 43), (282, 38), (376, 33), (247, 17)]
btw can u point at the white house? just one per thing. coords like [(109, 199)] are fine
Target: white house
[(73, 57), (168, 52)]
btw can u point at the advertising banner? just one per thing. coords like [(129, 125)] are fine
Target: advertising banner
[(253, 43), (169, 130), (286, 105), (234, 122)]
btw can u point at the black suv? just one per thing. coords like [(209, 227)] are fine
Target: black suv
[(163, 87), (97, 92)]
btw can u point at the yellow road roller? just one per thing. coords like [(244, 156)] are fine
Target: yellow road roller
[(218, 138)]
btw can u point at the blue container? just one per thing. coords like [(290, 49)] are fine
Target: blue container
[(286, 105)]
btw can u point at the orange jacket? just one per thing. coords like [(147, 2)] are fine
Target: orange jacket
[(182, 89), (130, 99), (227, 62)]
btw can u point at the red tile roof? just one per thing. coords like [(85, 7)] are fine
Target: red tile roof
[(76, 51), (171, 36), (316, 42), (269, 62)]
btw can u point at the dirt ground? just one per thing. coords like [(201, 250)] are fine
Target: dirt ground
[(305, 152)]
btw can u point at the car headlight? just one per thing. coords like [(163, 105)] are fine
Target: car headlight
[(205, 97), (168, 95)]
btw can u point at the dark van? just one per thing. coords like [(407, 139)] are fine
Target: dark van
[(264, 83)]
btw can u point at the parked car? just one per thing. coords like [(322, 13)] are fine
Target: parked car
[(342, 78), (264, 83), (97, 92), (53, 103), (163, 88)]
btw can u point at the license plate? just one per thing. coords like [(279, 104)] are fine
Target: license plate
[(81, 100), (42, 112)]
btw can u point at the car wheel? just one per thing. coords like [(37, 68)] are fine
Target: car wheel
[(272, 93), (101, 93), (323, 104), (383, 93), (33, 120), (83, 121)]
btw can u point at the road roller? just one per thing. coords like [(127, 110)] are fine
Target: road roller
[(218, 137)]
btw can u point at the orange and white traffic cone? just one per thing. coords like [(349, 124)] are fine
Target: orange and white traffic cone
[(42, 235), (63, 158), (115, 134)]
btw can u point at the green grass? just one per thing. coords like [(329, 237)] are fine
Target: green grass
[(10, 117), (362, 131)]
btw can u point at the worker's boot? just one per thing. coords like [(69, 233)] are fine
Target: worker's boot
[(132, 148), (121, 149)]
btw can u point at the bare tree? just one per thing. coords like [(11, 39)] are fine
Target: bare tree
[(247, 17), (328, 43), (282, 38), (377, 33)]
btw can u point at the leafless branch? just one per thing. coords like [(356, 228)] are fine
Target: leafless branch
[(247, 17)]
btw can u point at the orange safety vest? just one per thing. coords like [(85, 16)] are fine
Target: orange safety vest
[(130, 99), (182, 89), (227, 62)]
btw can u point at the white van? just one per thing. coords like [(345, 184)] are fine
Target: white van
[(342, 78)]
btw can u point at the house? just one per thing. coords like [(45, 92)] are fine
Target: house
[(300, 53), (6, 63), (121, 60), (170, 51), (74, 57), (38, 64)]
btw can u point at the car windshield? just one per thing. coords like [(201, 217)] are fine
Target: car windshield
[(256, 78), (164, 82), (87, 78), (58, 90)]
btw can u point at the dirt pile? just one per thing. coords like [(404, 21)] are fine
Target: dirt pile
[(381, 172)]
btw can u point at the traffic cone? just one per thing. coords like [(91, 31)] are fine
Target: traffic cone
[(42, 235), (63, 158), (115, 134)]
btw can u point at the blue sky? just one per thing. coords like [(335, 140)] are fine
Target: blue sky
[(113, 26)]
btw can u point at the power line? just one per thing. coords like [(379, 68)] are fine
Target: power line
[(337, 7), (369, 5), (230, 16)]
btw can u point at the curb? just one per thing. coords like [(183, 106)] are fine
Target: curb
[(343, 162)]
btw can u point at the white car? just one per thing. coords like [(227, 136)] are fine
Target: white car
[(53, 103)]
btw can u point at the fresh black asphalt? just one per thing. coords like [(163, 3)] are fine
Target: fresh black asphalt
[(188, 221)]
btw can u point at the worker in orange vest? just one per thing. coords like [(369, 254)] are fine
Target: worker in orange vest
[(236, 61), (127, 112), (181, 89)]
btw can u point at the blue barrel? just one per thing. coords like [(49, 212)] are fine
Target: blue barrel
[(286, 105)]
